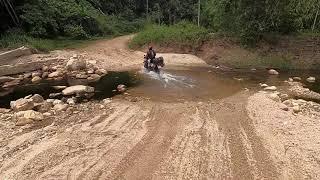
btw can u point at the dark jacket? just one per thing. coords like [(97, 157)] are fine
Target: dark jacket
[(151, 54)]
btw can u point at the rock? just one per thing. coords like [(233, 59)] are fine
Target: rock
[(253, 69), (93, 62), (270, 88), (107, 101), (296, 109), (11, 83), (238, 79), (3, 110), (273, 72), (4, 79), (50, 100), (27, 75), (56, 102), (60, 107), (284, 97), (22, 105), (311, 79), (36, 80), (59, 87), (102, 106), (284, 107), (55, 74), (45, 75), (274, 97), (45, 68), (288, 103), (28, 97), (47, 114), (55, 95), (37, 98), (290, 80), (297, 78), (44, 107), (71, 101), (121, 88), (298, 91), (81, 76), (75, 64), (263, 85), (101, 72), (20, 77), (90, 72), (26, 117), (94, 78), (34, 74), (78, 89)]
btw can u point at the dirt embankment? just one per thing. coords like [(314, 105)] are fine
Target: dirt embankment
[(283, 53)]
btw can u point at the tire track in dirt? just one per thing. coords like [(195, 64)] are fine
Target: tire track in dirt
[(143, 159), (242, 139)]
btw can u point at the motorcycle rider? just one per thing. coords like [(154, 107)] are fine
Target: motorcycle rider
[(151, 54)]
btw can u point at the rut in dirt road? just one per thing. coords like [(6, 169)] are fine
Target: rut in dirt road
[(148, 141)]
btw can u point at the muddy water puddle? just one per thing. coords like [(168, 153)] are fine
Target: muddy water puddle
[(186, 84)]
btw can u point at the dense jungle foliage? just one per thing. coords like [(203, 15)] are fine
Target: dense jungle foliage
[(83, 19)]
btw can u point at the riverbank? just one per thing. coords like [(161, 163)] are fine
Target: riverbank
[(277, 52)]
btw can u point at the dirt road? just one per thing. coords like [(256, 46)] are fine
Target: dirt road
[(144, 139)]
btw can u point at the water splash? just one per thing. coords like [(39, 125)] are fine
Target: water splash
[(168, 79)]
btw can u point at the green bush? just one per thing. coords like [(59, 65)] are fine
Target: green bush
[(75, 32), (183, 33)]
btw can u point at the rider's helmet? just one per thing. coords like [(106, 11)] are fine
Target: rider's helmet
[(150, 47)]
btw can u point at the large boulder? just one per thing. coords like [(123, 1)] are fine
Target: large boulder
[(273, 72), (22, 104), (75, 64), (78, 89), (26, 117)]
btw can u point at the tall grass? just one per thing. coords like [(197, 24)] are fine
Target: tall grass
[(14, 40), (183, 33)]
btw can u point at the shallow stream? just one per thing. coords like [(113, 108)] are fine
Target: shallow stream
[(183, 84)]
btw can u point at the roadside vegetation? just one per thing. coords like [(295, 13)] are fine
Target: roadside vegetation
[(56, 24), (183, 34)]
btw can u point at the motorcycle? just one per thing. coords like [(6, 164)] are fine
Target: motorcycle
[(154, 65)]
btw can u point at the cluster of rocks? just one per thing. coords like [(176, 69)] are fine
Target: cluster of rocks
[(296, 97), (76, 68), (34, 108), (309, 79)]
